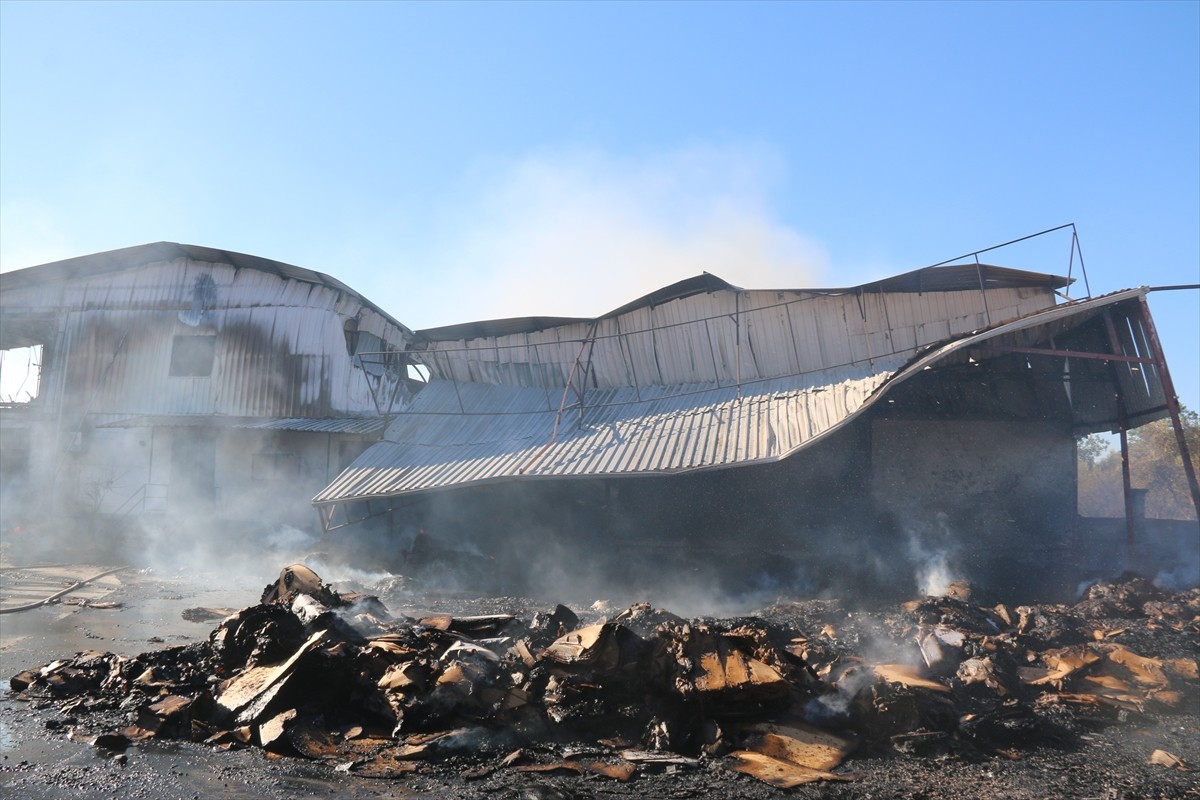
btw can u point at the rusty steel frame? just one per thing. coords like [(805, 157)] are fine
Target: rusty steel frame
[(1117, 355), (328, 512), (1042, 351)]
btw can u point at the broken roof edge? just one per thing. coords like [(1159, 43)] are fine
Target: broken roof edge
[(949, 278), (959, 277), (705, 282), (350, 425), (144, 255), (937, 352), (947, 346), (914, 366), (482, 329)]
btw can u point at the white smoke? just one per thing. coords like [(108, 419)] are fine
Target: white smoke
[(580, 232), (933, 553)]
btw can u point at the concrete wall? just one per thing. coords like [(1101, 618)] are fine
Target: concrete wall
[(882, 508), (976, 499)]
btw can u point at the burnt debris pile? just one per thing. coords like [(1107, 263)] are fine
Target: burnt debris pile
[(786, 696)]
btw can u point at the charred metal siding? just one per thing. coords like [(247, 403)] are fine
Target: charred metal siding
[(280, 345), (263, 401)]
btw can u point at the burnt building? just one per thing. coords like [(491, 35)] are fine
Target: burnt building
[(892, 435), (188, 389), (898, 433)]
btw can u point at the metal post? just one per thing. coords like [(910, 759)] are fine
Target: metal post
[(983, 291), (1164, 375), (787, 310), (862, 311), (587, 368), (1127, 485), (1114, 345), (454, 379), (1070, 269), (737, 327), (1083, 269), (623, 345), (712, 354), (537, 360)]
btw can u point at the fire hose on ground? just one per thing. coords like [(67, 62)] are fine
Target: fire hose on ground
[(61, 593)]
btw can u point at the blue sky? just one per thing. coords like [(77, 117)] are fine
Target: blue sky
[(456, 161)]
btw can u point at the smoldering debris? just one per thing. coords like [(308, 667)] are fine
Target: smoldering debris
[(792, 696)]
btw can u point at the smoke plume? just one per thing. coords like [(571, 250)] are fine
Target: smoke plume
[(580, 232)]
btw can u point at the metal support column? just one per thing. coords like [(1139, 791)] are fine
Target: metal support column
[(1114, 345), (737, 327)]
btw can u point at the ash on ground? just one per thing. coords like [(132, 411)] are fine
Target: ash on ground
[(503, 697)]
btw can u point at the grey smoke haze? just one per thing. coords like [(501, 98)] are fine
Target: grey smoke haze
[(579, 232), (563, 233)]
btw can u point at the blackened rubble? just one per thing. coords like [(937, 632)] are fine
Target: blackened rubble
[(786, 697)]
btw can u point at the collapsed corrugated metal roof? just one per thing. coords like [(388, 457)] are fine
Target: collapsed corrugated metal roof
[(731, 379), (357, 425), (667, 430)]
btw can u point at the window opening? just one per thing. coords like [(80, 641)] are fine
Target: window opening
[(20, 374)]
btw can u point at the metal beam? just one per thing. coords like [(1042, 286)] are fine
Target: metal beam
[(1042, 351)]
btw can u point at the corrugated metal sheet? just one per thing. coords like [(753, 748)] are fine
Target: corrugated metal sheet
[(956, 278), (726, 336), (474, 433)]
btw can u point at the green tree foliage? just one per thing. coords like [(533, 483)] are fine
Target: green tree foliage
[(1154, 465)]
